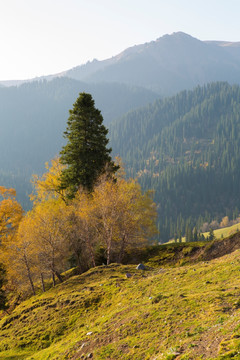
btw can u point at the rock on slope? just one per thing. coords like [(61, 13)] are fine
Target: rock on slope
[(187, 312)]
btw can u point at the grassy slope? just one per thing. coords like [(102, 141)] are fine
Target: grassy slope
[(224, 232), (219, 233), (187, 312)]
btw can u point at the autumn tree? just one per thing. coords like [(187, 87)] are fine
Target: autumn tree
[(39, 248), (115, 215), (224, 222), (137, 220), (19, 256), (47, 186), (84, 241), (85, 155), (11, 212), (123, 216), (105, 215), (49, 228)]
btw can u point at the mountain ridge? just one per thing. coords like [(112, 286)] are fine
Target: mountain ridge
[(167, 65)]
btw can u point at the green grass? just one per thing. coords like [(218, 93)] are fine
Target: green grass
[(183, 312), (219, 233), (173, 254), (225, 232)]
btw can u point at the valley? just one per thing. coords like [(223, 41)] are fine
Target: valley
[(119, 180)]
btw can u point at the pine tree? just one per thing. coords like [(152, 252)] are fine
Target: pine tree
[(180, 236), (86, 154), (211, 235), (175, 238), (195, 234)]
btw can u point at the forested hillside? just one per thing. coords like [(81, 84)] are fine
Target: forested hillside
[(33, 117), (187, 148)]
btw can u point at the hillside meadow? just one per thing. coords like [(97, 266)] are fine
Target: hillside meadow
[(168, 311), (224, 232), (218, 233)]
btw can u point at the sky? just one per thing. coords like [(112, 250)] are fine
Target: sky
[(43, 37)]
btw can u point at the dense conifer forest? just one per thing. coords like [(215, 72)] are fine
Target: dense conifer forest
[(187, 149)]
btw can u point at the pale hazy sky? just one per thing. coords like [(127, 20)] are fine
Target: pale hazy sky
[(42, 37)]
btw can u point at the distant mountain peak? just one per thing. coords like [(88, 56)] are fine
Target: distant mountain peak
[(171, 63), (179, 35)]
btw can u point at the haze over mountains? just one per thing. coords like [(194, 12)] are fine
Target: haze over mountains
[(167, 65), (33, 117)]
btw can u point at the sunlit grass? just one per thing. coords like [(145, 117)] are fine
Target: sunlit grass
[(218, 233), (186, 312)]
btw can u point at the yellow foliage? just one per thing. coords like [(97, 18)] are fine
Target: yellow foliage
[(224, 222), (11, 212), (39, 246), (19, 256), (49, 227), (47, 186), (122, 215), (7, 192), (116, 216)]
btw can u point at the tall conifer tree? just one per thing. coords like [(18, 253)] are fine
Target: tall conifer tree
[(85, 154)]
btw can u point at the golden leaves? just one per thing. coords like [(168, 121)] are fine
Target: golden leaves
[(11, 212), (47, 186), (115, 217)]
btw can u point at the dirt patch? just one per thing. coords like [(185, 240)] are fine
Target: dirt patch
[(188, 253), (220, 248)]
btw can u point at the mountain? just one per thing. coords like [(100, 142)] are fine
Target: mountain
[(169, 64), (186, 148), (34, 116), (182, 312)]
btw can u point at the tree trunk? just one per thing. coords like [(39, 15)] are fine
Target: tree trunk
[(31, 282), (109, 252), (58, 276), (109, 245), (29, 274), (89, 245), (122, 248), (92, 256), (42, 281), (53, 279), (79, 265)]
